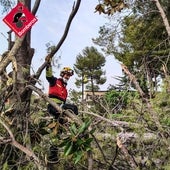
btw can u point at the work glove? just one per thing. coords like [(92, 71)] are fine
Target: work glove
[(48, 60)]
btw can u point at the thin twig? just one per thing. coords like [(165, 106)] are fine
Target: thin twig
[(27, 151)]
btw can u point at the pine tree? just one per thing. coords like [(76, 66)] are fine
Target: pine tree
[(89, 66)]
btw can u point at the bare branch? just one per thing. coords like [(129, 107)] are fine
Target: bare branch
[(21, 147), (4, 140), (119, 124), (59, 109), (36, 6), (164, 18), (133, 79), (130, 136), (72, 15), (5, 62), (129, 157), (57, 47)]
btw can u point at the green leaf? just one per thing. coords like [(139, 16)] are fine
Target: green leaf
[(88, 141), (79, 142), (92, 131), (84, 126), (78, 157), (66, 140), (68, 144), (73, 129), (68, 149), (87, 123), (88, 149), (75, 148)]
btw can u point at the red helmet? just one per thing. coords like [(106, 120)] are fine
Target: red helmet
[(66, 70)]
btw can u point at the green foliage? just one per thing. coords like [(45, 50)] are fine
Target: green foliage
[(167, 167), (142, 44), (37, 131), (78, 141), (162, 100), (75, 97), (119, 99), (5, 166), (89, 65)]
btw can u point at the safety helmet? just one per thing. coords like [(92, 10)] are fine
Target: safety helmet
[(66, 70)]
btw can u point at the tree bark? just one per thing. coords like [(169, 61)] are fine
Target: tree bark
[(163, 15), (128, 157)]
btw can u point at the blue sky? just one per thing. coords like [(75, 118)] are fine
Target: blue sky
[(52, 18)]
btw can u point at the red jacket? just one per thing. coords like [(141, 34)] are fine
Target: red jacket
[(58, 90)]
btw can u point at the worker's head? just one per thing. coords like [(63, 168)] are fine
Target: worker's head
[(66, 73)]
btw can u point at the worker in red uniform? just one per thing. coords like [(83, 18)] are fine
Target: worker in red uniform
[(58, 91)]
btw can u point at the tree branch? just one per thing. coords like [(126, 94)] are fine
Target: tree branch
[(57, 47), (164, 18), (5, 62), (36, 6), (59, 109), (120, 124), (4, 140), (133, 80), (129, 157), (27, 151)]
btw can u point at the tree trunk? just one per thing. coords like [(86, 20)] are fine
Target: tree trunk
[(163, 15), (20, 98)]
